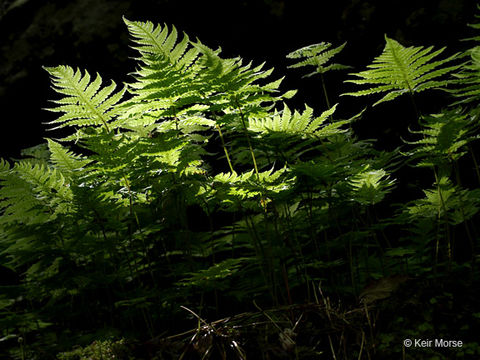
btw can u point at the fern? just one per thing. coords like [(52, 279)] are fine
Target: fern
[(289, 123), (399, 70), (370, 186), (468, 79), (157, 41), (138, 217), (33, 193), (446, 201), (317, 55), (65, 160), (86, 103), (444, 138)]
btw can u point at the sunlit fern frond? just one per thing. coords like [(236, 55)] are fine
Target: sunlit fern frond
[(317, 55), (85, 103), (248, 87), (444, 138), (296, 123), (182, 81), (233, 188), (400, 70), (370, 186), (153, 41), (65, 160)]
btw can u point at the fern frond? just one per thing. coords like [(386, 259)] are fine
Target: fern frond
[(232, 188), (289, 123), (446, 201), (399, 70), (468, 79), (317, 55), (65, 160), (302, 124), (157, 41), (85, 103), (33, 193), (444, 138), (370, 186)]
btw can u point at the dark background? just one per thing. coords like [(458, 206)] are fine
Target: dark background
[(90, 34)]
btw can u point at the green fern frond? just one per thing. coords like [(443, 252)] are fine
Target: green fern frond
[(157, 41), (64, 160), (446, 201), (468, 79), (399, 70), (85, 103), (317, 55), (370, 186), (296, 123), (444, 138), (33, 193), (166, 89), (231, 188)]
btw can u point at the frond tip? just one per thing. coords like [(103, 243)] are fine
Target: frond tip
[(399, 70), (85, 103)]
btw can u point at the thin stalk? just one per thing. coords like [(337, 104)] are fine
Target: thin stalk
[(242, 117), (331, 347), (361, 345), (224, 148), (130, 195), (415, 108), (447, 227), (325, 94)]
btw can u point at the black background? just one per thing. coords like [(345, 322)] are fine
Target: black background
[(90, 34)]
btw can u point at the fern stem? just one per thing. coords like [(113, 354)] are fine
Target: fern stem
[(132, 212), (242, 117), (445, 218), (325, 94), (224, 148), (414, 103)]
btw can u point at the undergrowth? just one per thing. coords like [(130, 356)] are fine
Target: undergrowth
[(193, 214)]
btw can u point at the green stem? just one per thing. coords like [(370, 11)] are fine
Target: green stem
[(415, 108), (224, 148), (442, 204), (242, 117), (325, 90)]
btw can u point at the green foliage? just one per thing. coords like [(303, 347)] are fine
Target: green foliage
[(85, 103), (399, 70), (444, 138), (317, 55), (142, 215)]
